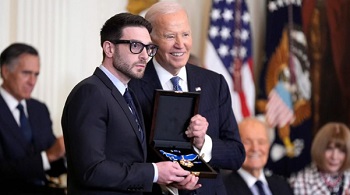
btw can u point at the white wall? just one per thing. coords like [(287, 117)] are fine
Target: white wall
[(66, 34)]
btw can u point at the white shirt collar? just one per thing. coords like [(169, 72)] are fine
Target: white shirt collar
[(250, 179), (165, 76), (116, 82), (11, 101)]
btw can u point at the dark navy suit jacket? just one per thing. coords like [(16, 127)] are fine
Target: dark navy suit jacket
[(105, 153), (21, 162), (235, 184), (215, 105)]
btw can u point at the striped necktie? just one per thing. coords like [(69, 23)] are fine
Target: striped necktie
[(175, 82), (129, 100)]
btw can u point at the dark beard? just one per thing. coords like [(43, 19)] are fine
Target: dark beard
[(126, 69)]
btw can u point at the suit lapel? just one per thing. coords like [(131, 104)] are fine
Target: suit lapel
[(193, 79), (120, 100), (150, 81), (273, 187), (240, 182), (9, 124)]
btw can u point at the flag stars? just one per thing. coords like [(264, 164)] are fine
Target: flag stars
[(233, 52), (225, 33), (287, 2), (217, 1), (223, 50), (246, 17), (272, 6), (276, 4), (242, 52), (280, 3), (213, 32), (244, 35), (232, 40), (227, 15), (229, 31), (215, 14)]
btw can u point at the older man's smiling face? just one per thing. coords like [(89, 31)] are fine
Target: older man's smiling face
[(256, 143), (172, 33)]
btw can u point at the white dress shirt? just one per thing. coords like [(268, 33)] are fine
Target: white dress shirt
[(121, 88), (250, 180), (164, 78), (12, 103)]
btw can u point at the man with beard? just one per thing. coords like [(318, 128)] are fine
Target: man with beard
[(102, 121)]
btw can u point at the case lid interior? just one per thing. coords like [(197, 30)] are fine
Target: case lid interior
[(171, 116)]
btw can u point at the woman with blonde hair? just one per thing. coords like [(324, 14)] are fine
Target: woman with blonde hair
[(329, 172)]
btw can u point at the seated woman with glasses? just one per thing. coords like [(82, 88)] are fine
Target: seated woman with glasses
[(329, 172)]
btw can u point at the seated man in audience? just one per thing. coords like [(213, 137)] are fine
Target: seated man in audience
[(29, 151), (250, 179)]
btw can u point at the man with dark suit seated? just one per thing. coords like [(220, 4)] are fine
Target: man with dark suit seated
[(29, 151), (250, 179)]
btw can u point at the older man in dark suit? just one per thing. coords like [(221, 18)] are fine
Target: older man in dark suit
[(28, 148), (213, 131), (250, 179)]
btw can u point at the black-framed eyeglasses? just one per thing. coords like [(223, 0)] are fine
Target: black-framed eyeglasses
[(136, 47)]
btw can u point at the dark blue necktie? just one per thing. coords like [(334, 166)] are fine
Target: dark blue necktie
[(129, 100), (175, 82), (259, 185), (25, 126)]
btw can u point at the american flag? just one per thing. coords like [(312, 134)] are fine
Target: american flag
[(279, 110), (229, 52)]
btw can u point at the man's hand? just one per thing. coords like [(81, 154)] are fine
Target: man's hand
[(169, 172), (189, 183), (197, 129), (56, 151)]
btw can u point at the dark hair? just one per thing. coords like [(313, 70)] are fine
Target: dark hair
[(10, 55), (113, 28), (13, 51)]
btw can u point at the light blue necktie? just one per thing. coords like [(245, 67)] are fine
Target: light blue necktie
[(175, 82)]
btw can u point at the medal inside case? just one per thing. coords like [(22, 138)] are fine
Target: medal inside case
[(172, 112)]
